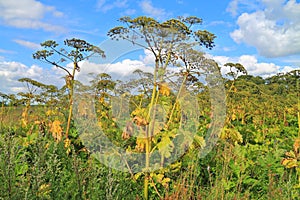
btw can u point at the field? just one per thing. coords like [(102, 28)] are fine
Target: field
[(185, 131), (256, 156)]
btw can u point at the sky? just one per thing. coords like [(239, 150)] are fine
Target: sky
[(263, 35)]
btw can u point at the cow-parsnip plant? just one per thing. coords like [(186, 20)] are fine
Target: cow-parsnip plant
[(75, 50)]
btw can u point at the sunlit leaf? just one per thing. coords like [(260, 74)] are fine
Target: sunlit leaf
[(289, 162)]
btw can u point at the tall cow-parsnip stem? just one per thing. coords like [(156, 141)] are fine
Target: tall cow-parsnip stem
[(78, 50), (33, 88), (167, 42)]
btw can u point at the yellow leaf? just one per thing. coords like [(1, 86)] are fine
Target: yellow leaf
[(289, 162), (296, 145), (157, 177), (50, 112), (24, 119), (165, 182), (128, 131), (101, 99), (175, 167), (137, 175), (44, 189), (67, 142), (164, 89), (38, 122), (140, 144), (231, 134), (290, 154), (141, 112), (233, 117), (125, 135), (140, 121), (199, 141), (56, 130)]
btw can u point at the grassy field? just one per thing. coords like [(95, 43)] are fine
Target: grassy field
[(256, 157)]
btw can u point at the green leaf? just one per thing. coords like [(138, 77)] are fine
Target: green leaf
[(165, 146)]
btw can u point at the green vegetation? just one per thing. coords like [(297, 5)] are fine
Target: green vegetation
[(43, 154)]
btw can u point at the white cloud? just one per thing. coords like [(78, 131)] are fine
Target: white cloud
[(120, 70), (220, 23), (258, 69), (273, 31), (148, 58), (35, 24), (236, 6), (10, 72), (129, 12), (221, 59), (28, 44), (233, 7), (126, 67), (6, 51), (287, 69), (294, 60), (104, 6), (252, 65), (152, 11), (28, 14)]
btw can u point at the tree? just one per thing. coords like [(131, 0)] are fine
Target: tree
[(78, 50)]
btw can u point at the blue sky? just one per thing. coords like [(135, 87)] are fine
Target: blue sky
[(263, 35)]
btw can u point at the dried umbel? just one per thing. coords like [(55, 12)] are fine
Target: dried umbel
[(56, 130)]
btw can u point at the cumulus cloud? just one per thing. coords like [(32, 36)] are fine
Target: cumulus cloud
[(148, 58), (287, 69), (149, 9), (28, 14), (273, 31), (10, 72), (121, 70), (28, 44), (252, 65), (258, 69)]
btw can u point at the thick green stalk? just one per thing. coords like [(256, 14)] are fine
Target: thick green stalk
[(176, 101), (71, 100), (148, 134)]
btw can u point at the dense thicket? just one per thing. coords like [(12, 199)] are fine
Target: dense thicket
[(181, 132), (256, 157)]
